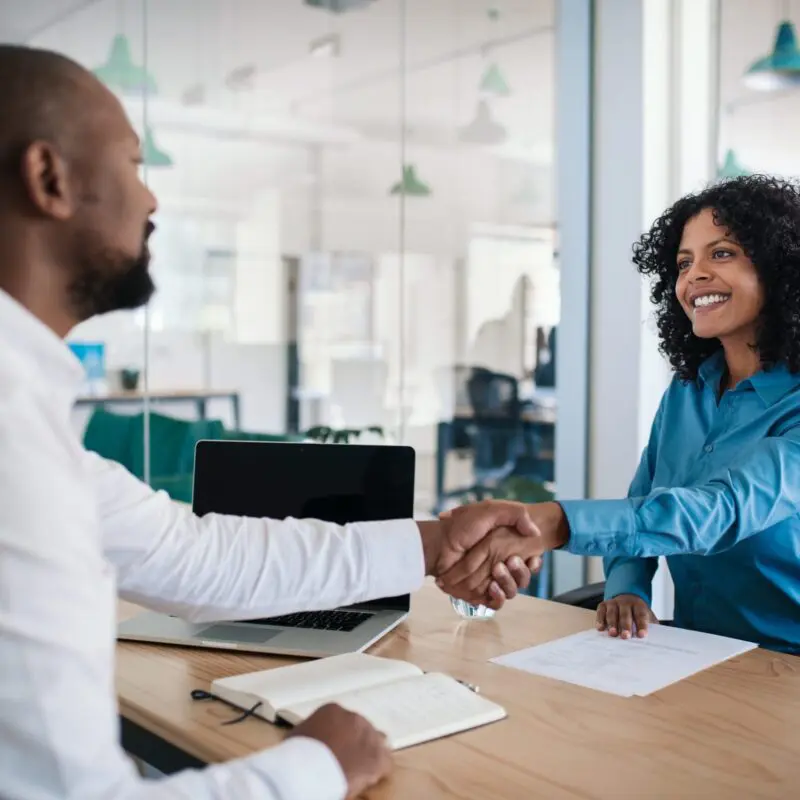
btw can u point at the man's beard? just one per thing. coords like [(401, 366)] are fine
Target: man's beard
[(111, 281)]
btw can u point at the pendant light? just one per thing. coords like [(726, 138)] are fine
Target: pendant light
[(483, 129), (781, 68), (410, 185), (731, 168), (493, 82), (152, 154), (121, 74)]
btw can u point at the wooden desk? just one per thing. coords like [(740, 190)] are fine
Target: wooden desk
[(730, 732), (199, 397)]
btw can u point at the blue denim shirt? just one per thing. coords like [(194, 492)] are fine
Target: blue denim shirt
[(717, 492)]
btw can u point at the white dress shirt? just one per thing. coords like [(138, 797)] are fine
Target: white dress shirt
[(74, 529)]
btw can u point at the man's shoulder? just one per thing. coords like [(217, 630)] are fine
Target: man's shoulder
[(18, 401), (31, 418)]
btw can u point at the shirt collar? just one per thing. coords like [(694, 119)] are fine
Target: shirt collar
[(710, 371), (770, 385), (41, 352)]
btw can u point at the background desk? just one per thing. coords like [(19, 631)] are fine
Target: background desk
[(730, 732), (199, 397)]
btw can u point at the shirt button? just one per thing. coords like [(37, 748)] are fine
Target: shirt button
[(708, 448)]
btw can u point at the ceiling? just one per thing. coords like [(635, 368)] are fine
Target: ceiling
[(22, 21), (405, 81), (425, 64)]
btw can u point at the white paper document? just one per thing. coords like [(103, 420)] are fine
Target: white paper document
[(626, 667)]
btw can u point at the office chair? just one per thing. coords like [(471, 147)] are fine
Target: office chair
[(495, 430)]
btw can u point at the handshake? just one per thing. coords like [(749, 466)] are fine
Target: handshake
[(484, 553), (481, 553)]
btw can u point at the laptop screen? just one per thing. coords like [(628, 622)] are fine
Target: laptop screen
[(332, 482)]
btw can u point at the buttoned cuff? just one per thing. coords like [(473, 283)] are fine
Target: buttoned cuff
[(395, 557), (630, 577), (301, 769), (600, 527)]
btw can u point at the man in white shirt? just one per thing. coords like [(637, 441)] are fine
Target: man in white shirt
[(75, 529)]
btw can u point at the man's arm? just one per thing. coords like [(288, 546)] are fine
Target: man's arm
[(58, 715), (222, 567)]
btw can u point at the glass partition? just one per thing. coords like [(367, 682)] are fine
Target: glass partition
[(356, 237)]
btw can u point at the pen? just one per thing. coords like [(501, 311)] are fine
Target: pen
[(471, 686)]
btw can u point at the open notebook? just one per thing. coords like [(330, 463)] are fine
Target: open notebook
[(409, 706)]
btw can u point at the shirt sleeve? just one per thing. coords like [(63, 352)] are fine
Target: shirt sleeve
[(624, 574), (58, 714), (224, 568), (758, 489)]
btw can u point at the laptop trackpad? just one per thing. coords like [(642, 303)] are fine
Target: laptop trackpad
[(237, 633)]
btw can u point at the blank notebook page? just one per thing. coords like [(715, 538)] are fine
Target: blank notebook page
[(286, 686), (413, 710)]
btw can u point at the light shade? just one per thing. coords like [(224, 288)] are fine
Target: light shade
[(483, 129), (781, 68), (152, 154), (410, 185), (731, 168), (494, 82), (121, 74)]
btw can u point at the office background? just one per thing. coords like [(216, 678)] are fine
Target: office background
[(410, 221)]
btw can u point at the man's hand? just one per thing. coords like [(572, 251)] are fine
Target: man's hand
[(622, 613), (474, 572), (360, 750), (446, 542)]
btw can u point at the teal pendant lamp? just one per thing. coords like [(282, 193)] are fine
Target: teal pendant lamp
[(121, 74), (152, 154), (731, 168), (410, 185), (781, 68), (494, 82)]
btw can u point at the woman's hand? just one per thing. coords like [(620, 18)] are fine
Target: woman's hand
[(623, 614)]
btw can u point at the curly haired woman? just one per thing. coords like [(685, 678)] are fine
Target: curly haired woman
[(718, 487), (725, 265)]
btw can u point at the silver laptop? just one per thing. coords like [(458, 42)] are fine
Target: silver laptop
[(336, 483)]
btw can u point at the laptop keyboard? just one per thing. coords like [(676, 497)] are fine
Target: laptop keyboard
[(335, 620)]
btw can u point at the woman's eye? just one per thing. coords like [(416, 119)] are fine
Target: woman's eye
[(684, 264), (721, 253)]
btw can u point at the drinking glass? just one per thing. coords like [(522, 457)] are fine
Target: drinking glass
[(470, 611)]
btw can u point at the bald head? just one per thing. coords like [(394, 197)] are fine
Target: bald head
[(44, 96), (74, 213)]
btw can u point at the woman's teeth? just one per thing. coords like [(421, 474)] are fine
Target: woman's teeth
[(710, 300)]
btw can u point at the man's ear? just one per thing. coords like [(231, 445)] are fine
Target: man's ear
[(45, 176)]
